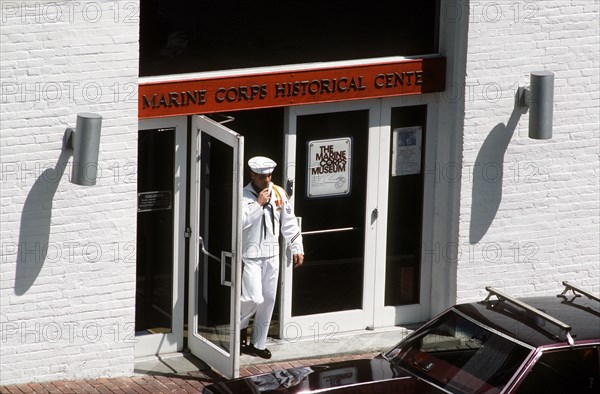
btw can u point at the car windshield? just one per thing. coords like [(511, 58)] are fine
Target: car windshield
[(460, 356)]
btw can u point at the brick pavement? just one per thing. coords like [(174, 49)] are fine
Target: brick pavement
[(191, 382)]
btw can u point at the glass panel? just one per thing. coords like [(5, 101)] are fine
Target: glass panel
[(154, 264), (214, 298), (331, 278), (253, 125), (405, 206), (193, 36), (565, 371), (460, 356)]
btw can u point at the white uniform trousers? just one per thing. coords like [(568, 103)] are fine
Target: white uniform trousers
[(259, 288)]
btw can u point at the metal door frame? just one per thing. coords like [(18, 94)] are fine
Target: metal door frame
[(387, 316), (374, 313), (325, 326), (152, 344), (226, 362)]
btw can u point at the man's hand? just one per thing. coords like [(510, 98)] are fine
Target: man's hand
[(263, 197), (298, 259)]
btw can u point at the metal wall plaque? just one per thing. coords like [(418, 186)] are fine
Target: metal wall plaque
[(154, 201), (329, 167)]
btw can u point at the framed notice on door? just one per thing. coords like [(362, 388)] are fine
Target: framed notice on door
[(329, 164), (406, 150)]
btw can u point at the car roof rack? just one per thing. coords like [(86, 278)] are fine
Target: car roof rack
[(568, 286), (503, 297)]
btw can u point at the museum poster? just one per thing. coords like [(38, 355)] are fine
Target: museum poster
[(329, 165)]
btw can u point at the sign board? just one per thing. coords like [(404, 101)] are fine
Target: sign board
[(329, 167), (406, 150), (154, 201), (303, 86)]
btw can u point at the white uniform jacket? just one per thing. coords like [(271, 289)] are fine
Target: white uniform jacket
[(261, 225)]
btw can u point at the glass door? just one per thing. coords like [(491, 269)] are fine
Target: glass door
[(161, 174), (407, 187), (360, 190), (331, 160), (215, 250)]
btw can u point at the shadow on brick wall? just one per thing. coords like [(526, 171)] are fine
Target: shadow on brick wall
[(487, 176), (34, 232)]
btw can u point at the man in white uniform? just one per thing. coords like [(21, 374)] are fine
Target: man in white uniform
[(267, 213)]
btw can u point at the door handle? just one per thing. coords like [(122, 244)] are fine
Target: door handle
[(331, 230), (206, 252), (224, 256), (222, 261)]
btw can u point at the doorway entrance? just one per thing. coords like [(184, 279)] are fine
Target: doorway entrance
[(355, 172), (358, 187)]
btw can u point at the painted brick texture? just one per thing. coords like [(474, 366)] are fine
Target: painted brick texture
[(529, 215), (67, 269), (529, 210)]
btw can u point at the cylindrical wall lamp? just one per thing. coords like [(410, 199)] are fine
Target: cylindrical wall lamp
[(85, 142), (539, 97)]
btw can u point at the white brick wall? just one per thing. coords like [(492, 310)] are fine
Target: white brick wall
[(529, 215), (529, 210), (67, 306)]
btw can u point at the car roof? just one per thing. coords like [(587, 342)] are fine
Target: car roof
[(580, 313)]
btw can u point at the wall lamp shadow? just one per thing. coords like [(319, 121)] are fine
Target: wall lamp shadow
[(539, 98), (84, 141)]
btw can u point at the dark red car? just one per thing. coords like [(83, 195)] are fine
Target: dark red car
[(500, 345)]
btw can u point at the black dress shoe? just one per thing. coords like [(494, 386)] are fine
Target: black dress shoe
[(244, 337), (252, 351)]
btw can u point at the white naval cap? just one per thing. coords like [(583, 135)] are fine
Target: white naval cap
[(261, 165)]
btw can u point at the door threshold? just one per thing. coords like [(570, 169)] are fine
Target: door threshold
[(353, 342), (348, 343), (169, 364)]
